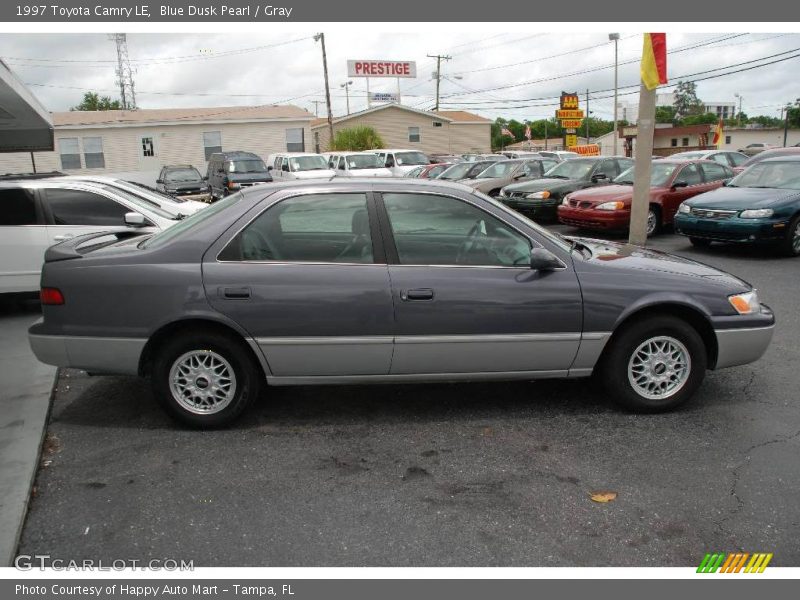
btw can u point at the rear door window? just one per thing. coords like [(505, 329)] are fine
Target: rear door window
[(17, 207), (78, 207), (716, 172)]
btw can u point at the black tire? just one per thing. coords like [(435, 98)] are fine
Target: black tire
[(248, 378), (700, 242), (653, 213), (615, 364), (790, 246)]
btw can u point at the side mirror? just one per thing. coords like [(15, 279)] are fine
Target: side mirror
[(159, 181), (269, 167), (134, 219), (679, 184), (520, 175), (205, 177), (599, 177), (285, 167), (544, 260)]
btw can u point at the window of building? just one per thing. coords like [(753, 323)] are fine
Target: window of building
[(212, 142), (727, 139), (685, 141), (18, 207), (437, 123), (295, 140), (70, 153), (413, 134), (148, 147), (93, 155), (312, 228), (674, 142), (76, 207)]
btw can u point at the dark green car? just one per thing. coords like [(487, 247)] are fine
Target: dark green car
[(540, 198), (760, 205)]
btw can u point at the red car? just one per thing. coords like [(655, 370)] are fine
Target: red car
[(428, 171), (608, 207)]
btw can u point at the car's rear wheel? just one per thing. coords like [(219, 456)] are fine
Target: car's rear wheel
[(700, 242), (654, 364), (791, 243), (205, 380)]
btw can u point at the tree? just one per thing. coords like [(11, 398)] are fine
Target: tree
[(666, 114), (701, 119), (93, 101), (686, 101), (794, 116), (359, 138)]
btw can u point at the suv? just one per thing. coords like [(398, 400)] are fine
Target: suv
[(400, 162), (182, 181), (287, 166), (37, 213), (229, 172)]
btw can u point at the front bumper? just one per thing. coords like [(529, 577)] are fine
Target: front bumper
[(106, 355), (743, 345), (590, 218), (732, 229), (544, 208)]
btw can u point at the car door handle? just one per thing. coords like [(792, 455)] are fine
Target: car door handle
[(236, 293), (63, 237), (419, 294)]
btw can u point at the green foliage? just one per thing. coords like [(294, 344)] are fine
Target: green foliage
[(361, 137), (666, 114), (702, 119), (794, 116), (686, 101), (93, 101)]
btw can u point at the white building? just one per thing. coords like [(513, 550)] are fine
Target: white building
[(118, 141), (739, 137), (629, 111)]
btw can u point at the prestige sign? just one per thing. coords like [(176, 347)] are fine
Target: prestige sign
[(382, 68)]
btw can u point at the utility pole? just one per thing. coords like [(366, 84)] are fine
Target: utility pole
[(320, 37), (346, 85), (739, 116), (587, 115), (615, 38), (545, 134), (316, 104), (645, 128), (786, 124), (439, 58)]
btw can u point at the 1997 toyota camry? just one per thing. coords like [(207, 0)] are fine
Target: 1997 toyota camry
[(384, 281)]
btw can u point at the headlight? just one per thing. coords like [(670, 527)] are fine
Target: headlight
[(617, 205), (756, 213), (745, 304), (539, 195), (684, 208)]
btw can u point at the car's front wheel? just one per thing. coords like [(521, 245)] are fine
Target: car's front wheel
[(653, 221), (205, 380), (654, 364)]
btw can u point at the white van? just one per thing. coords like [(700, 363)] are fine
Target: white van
[(298, 165), (400, 162), (357, 164)]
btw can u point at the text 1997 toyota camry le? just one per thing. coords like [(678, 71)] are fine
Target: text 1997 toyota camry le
[(381, 280)]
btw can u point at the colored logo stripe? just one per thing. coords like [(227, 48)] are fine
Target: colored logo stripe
[(734, 562)]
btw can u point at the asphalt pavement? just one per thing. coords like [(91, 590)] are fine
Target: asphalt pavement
[(486, 474)]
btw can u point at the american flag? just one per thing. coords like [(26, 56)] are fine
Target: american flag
[(527, 132), (505, 131)]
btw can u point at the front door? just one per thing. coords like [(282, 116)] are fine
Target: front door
[(465, 297), (305, 280), (148, 153)]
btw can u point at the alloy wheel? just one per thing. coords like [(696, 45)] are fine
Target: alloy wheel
[(659, 367), (202, 382)]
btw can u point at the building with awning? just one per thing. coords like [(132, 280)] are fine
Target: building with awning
[(25, 125)]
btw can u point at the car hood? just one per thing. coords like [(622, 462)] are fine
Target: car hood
[(644, 259), (249, 177), (538, 185), (736, 198)]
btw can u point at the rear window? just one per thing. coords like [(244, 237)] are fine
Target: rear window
[(17, 207)]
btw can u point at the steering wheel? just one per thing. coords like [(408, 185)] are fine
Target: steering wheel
[(470, 243), (263, 244)]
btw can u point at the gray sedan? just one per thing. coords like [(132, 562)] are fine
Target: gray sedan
[(378, 281)]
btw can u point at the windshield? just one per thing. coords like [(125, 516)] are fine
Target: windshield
[(499, 169), (308, 163), (144, 203), (182, 175), (247, 165), (457, 171), (571, 169), (780, 175), (660, 174), (768, 154), (411, 158), (165, 235), (363, 161)]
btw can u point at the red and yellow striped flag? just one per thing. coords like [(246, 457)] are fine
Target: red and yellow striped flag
[(720, 129), (654, 60)]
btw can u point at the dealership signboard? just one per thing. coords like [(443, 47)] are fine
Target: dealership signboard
[(390, 97), (382, 68)]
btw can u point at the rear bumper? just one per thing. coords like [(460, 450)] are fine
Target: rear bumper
[(744, 345), (588, 218), (731, 230), (107, 355)]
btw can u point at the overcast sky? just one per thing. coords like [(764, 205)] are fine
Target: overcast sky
[(220, 70)]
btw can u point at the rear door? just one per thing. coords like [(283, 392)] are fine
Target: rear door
[(307, 278), (23, 240), (465, 297)]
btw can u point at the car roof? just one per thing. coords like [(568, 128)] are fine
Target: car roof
[(387, 183), (787, 158)]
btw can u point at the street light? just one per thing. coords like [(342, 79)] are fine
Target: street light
[(739, 116), (346, 87), (614, 37)]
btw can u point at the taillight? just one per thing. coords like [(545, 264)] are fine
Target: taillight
[(51, 296)]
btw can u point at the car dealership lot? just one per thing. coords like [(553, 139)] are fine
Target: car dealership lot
[(494, 474)]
